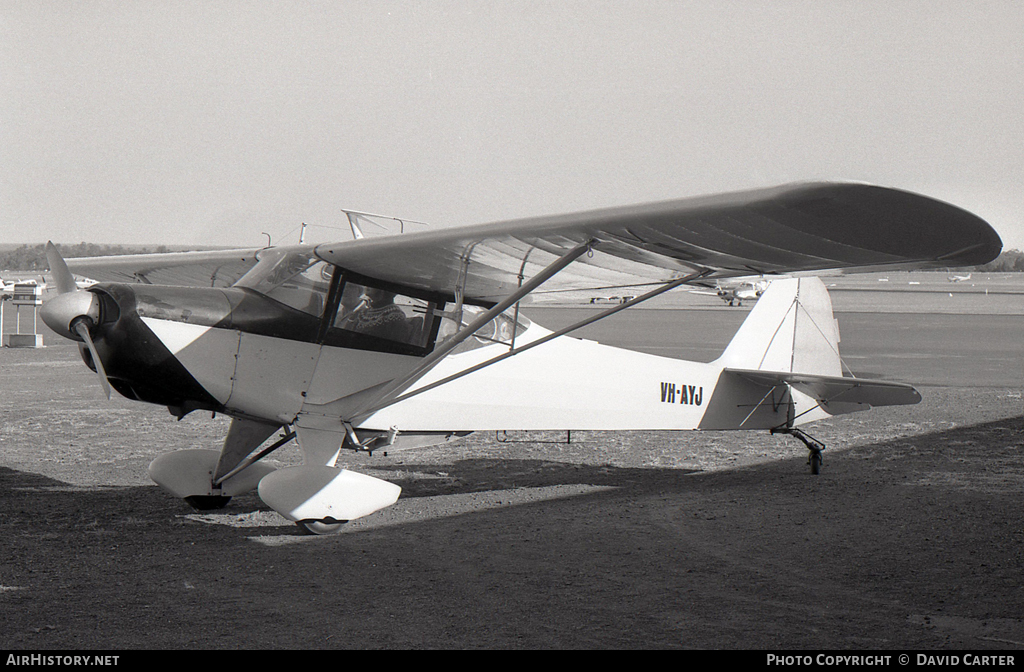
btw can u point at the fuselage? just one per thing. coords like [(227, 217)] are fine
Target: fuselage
[(242, 353), (301, 342), (245, 354)]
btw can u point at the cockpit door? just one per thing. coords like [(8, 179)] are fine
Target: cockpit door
[(273, 372), (376, 334)]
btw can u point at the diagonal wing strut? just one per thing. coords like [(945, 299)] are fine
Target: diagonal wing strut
[(385, 396), (363, 414), (393, 393)]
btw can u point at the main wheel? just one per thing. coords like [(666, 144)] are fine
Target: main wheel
[(208, 502), (319, 526)]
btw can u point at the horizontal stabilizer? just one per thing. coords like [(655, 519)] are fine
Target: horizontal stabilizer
[(831, 391)]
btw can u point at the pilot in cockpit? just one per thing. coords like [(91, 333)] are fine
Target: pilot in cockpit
[(371, 311)]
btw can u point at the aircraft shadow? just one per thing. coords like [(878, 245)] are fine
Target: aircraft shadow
[(743, 557), (37, 506), (51, 506), (486, 474)]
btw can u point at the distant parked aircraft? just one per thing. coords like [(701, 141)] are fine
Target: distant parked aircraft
[(611, 299), (737, 292)]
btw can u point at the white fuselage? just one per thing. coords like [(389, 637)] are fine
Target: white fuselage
[(566, 383)]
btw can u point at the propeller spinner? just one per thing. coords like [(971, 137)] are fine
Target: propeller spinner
[(73, 313)]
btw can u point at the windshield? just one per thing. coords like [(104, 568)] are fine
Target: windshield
[(296, 279)]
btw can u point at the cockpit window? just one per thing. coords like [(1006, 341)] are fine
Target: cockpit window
[(369, 316), (296, 279), (499, 330), (384, 314)]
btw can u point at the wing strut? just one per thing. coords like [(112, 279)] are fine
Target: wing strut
[(285, 438), (383, 402), (383, 398), (515, 317)]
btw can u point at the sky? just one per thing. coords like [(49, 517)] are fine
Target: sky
[(214, 121)]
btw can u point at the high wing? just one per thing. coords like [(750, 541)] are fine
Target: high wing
[(208, 268), (805, 227), (788, 229)]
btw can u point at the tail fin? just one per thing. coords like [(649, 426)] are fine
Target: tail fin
[(782, 367), (791, 329)]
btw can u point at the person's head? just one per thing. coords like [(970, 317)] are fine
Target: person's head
[(379, 297), (351, 296)]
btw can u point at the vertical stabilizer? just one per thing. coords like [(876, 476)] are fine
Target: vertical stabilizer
[(791, 329)]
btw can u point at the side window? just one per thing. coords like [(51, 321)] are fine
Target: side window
[(383, 314), (499, 330)]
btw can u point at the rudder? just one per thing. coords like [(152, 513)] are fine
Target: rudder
[(790, 329)]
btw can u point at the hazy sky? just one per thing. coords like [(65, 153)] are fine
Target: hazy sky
[(209, 122)]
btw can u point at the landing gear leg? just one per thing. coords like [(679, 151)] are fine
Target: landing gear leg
[(813, 445), (814, 459)]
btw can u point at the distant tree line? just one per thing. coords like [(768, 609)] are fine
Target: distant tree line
[(33, 257), (1009, 260)]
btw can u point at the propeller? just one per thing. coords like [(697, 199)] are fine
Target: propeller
[(82, 329), (74, 312)]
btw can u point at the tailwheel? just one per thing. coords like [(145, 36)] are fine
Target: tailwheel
[(813, 445), (815, 461), (207, 502), (320, 527)]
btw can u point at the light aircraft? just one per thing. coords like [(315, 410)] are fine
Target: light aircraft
[(610, 299), (959, 278), (735, 293), (415, 339), (7, 286)]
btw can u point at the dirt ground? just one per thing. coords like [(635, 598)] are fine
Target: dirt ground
[(911, 538)]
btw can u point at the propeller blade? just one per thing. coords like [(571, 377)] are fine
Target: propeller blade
[(82, 329), (61, 274), (84, 303)]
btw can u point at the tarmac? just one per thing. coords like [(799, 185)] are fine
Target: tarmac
[(911, 539)]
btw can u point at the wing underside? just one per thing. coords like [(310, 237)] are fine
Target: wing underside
[(798, 228), (208, 268), (792, 229)]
